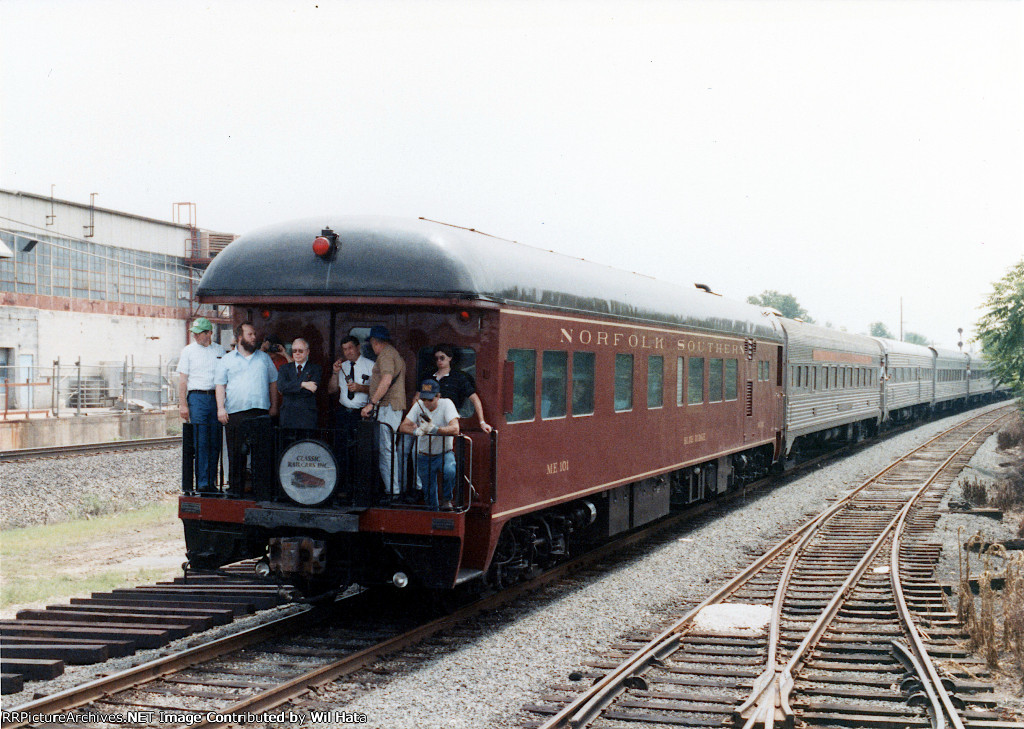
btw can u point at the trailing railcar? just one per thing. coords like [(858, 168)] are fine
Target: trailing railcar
[(981, 385), (832, 387), (908, 382), (614, 397), (950, 376)]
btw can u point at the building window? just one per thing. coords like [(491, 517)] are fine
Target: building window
[(582, 383), (554, 377), (524, 384), (655, 377), (623, 382), (695, 381)]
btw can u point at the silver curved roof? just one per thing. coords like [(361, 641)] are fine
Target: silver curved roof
[(952, 354), (393, 257), (813, 335), (895, 346)]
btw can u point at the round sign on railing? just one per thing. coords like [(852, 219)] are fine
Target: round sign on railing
[(308, 472)]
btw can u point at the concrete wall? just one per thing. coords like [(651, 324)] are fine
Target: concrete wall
[(97, 428), (47, 335)]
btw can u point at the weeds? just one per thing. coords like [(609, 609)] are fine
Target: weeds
[(979, 616), (974, 491), (1008, 493), (1011, 436), (1013, 612)]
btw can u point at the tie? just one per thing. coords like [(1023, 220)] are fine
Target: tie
[(298, 370)]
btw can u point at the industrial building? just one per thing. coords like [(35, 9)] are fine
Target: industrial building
[(81, 283)]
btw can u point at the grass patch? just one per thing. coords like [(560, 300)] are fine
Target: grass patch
[(29, 589), (42, 562)]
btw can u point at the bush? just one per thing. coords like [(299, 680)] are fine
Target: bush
[(1010, 436), (974, 492), (1009, 492)]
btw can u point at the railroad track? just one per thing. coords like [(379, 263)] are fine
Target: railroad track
[(840, 624), (38, 643), (280, 664), (84, 449)]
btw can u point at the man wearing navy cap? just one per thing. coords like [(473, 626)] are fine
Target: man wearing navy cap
[(387, 395), (435, 420), (197, 403)]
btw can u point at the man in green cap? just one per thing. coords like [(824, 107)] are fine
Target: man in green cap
[(197, 401)]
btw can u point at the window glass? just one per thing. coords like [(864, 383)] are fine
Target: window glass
[(582, 383), (715, 380), (695, 381), (554, 377), (731, 372), (524, 388), (463, 359), (623, 382), (679, 381), (655, 375)]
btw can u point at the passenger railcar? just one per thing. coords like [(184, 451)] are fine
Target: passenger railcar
[(833, 388), (950, 374), (907, 380), (614, 396)]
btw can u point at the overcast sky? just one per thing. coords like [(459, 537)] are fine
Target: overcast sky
[(848, 153)]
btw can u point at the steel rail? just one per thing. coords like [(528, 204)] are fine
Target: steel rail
[(785, 679), (144, 672), (133, 677), (917, 642), (21, 454), (588, 705)]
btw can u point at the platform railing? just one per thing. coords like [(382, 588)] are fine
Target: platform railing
[(244, 461)]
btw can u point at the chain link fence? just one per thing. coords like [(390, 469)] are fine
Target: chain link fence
[(73, 388)]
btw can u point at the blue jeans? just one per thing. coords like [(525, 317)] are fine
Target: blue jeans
[(202, 413), (427, 468)]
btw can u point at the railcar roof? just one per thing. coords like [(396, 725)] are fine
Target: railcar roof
[(812, 334), (950, 354), (392, 257), (898, 347)]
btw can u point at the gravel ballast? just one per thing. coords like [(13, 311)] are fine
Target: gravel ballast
[(53, 490), (486, 682)]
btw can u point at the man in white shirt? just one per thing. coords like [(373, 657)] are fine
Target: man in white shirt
[(197, 402), (355, 371), (435, 420)]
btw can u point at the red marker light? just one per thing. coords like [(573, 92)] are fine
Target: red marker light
[(321, 246), (265, 313), (464, 315)]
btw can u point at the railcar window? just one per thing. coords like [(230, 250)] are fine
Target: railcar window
[(554, 378), (731, 373), (715, 379), (695, 381), (623, 382), (582, 383), (655, 381), (679, 381), (464, 360), (524, 384)]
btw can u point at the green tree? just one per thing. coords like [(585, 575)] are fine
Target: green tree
[(1001, 329), (785, 303), (878, 329), (915, 338)]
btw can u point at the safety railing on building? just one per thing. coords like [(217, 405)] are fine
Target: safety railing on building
[(76, 388)]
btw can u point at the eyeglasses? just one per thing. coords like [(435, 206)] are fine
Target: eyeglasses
[(298, 349)]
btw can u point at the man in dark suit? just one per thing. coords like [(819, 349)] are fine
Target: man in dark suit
[(297, 382)]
